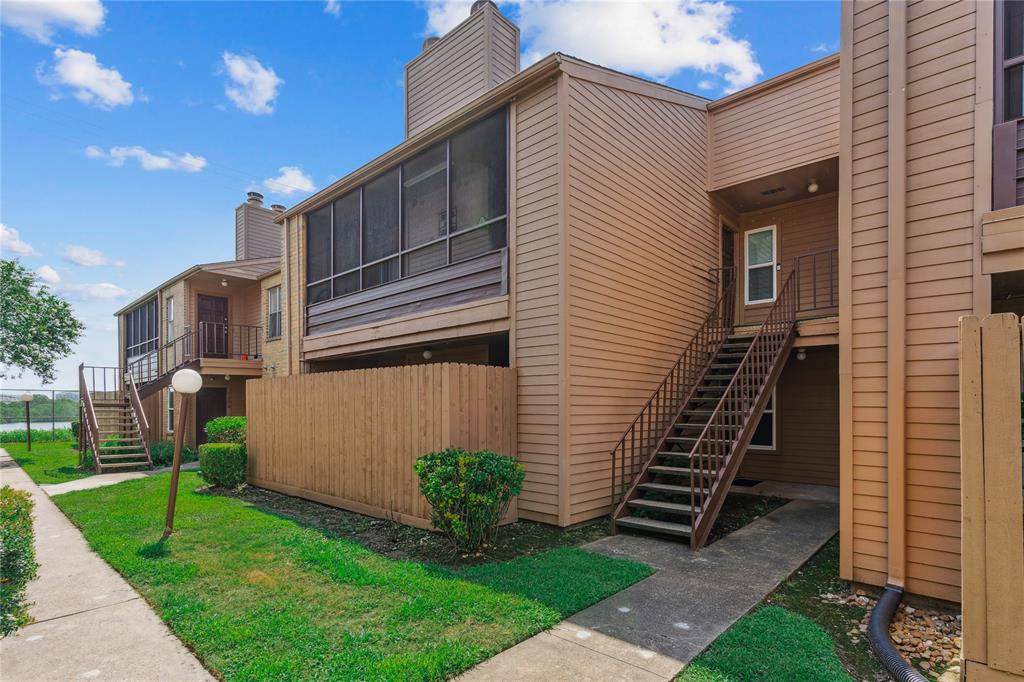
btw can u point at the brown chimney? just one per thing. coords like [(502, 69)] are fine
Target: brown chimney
[(254, 198)]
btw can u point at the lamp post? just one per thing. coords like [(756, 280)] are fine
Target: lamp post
[(186, 383), (27, 399)]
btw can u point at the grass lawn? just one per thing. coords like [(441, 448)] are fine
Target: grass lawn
[(48, 462), (793, 634), (259, 596)]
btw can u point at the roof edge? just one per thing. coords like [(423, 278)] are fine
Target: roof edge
[(775, 81)]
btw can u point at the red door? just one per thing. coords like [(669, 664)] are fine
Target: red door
[(213, 326)]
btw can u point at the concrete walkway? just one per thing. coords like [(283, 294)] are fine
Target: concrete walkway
[(651, 630), (89, 623), (101, 480)]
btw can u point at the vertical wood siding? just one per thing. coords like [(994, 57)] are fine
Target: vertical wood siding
[(939, 286), (350, 439), (775, 128), (642, 233), (472, 58), (537, 310), (807, 424)]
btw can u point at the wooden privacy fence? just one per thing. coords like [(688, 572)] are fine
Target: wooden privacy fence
[(991, 496), (349, 439)]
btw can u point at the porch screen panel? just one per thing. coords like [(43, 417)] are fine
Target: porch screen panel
[(318, 254), (347, 218), (380, 229), (479, 188)]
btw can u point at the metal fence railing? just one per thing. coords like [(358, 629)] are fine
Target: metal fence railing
[(50, 409)]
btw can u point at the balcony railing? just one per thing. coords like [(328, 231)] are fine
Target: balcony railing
[(214, 340), (816, 279)]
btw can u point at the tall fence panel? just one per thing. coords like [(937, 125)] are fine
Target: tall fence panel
[(349, 439), (992, 497)]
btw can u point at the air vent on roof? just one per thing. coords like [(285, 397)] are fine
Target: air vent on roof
[(773, 190)]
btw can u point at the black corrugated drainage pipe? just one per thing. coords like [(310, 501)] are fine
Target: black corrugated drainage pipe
[(881, 644)]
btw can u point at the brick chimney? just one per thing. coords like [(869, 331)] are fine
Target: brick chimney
[(469, 60), (256, 235)]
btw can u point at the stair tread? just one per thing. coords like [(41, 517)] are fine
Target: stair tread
[(104, 457), (641, 523), (104, 448), (661, 505), (668, 488), (674, 471), (124, 465)]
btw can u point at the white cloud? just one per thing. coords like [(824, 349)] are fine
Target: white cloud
[(100, 291), (90, 82), (252, 87), (653, 38), (333, 7), (12, 243), (48, 274), (83, 255), (291, 180), (40, 19), (148, 160), (444, 15), (706, 85)]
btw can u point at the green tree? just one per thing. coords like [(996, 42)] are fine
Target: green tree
[(37, 328)]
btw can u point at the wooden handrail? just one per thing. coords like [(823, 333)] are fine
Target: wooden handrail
[(713, 459), (140, 413), (92, 426), (637, 446)]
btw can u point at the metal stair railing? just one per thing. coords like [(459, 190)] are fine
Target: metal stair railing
[(716, 454), (638, 444)]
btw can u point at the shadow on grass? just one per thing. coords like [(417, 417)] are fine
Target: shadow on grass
[(155, 550)]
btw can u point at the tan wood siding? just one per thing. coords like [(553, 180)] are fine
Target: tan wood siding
[(472, 58), (536, 295), (807, 424), (937, 263), (775, 128), (642, 233), (350, 439), (801, 227)]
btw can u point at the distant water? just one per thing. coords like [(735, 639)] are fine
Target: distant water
[(36, 425)]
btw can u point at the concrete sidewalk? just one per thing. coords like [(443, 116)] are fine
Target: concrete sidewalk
[(101, 480), (89, 623), (651, 630)]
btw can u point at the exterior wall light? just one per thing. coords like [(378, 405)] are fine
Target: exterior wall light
[(801, 354), (427, 353), (813, 186), (223, 281), (186, 383)]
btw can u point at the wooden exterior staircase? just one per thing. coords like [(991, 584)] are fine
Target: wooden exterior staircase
[(675, 463), (113, 422)]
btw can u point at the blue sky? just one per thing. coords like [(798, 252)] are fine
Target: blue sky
[(125, 122)]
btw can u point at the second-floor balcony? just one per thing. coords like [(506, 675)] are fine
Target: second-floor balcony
[(212, 346)]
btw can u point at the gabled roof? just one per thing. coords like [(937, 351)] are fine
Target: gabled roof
[(253, 269)]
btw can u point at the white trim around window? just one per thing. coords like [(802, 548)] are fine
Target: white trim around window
[(770, 409), (170, 410), (748, 266)]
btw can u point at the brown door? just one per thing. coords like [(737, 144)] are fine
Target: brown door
[(213, 326), (210, 404), (728, 256)]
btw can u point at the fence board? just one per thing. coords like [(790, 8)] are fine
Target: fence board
[(992, 499), (349, 439)]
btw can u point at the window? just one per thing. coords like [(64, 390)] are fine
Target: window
[(273, 312), (169, 319), (170, 410), (446, 204), (760, 264), (1010, 60), (764, 434), (140, 329)]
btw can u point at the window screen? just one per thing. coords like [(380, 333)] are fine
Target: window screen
[(760, 259)]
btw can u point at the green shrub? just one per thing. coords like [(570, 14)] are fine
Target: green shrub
[(76, 428), (222, 464), (162, 453), (469, 492), (226, 430), (17, 558), (38, 435)]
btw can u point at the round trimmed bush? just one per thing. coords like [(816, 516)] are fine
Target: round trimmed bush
[(468, 492), (226, 430), (162, 453), (222, 464)]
